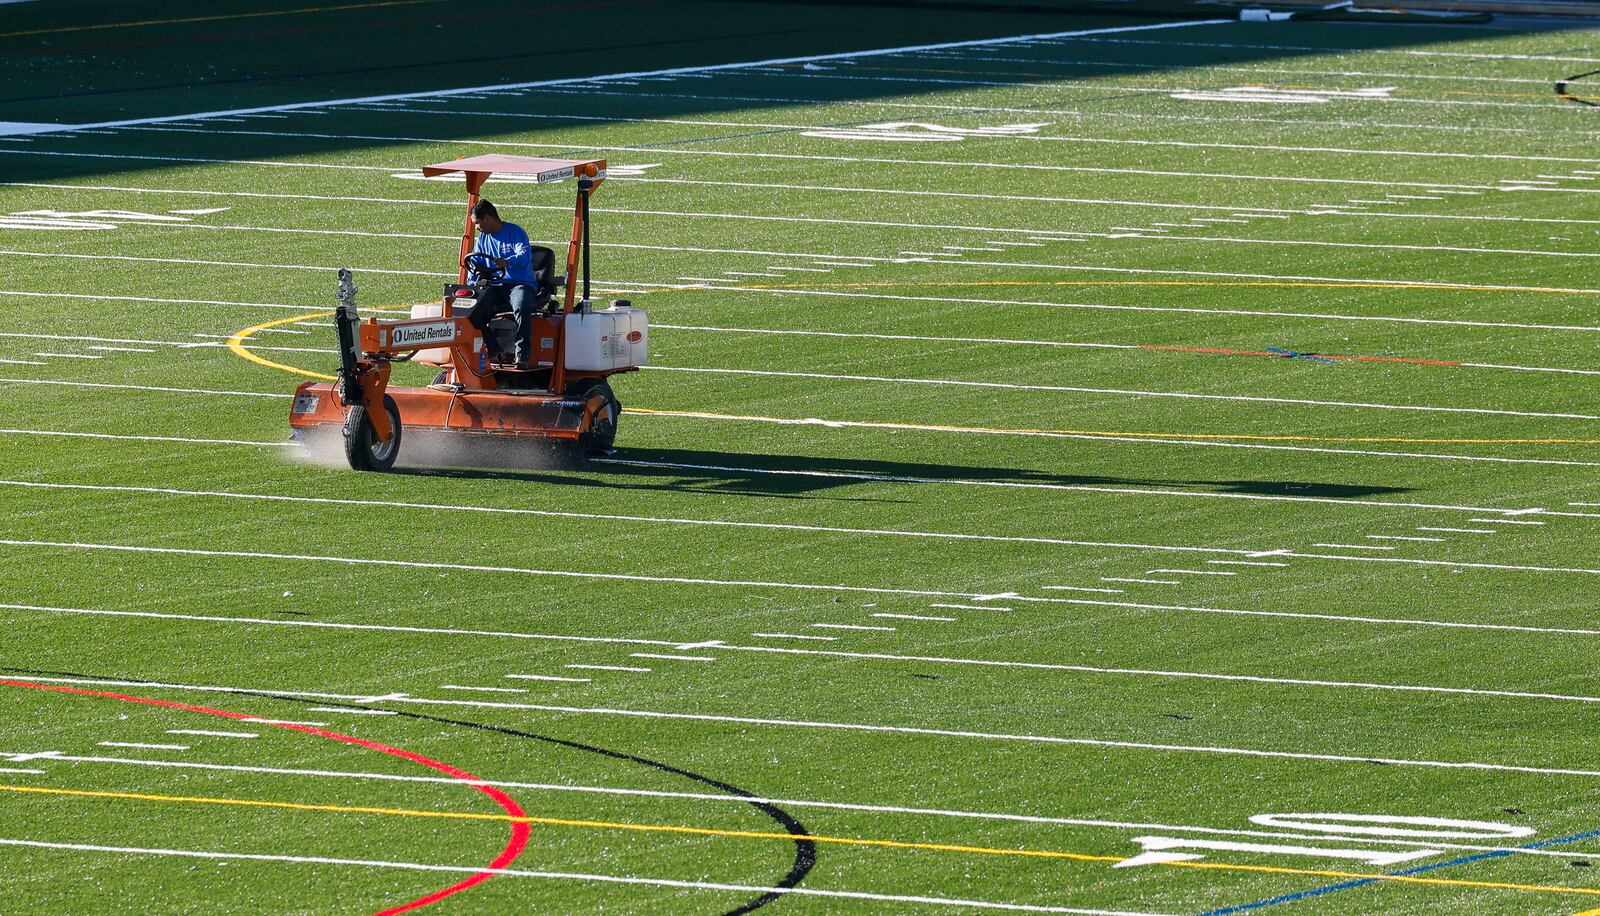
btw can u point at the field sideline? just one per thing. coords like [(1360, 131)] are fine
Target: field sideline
[(1086, 465)]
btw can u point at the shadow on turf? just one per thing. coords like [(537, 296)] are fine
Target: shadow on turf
[(86, 71), (803, 476)]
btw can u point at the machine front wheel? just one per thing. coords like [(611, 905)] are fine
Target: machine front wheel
[(361, 445)]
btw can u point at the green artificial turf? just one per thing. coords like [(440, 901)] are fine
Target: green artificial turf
[(1316, 375)]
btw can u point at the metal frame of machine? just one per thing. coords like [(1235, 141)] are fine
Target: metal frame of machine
[(549, 400)]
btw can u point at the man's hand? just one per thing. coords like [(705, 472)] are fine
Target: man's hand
[(504, 264)]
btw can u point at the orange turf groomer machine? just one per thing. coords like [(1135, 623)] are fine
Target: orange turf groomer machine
[(562, 397)]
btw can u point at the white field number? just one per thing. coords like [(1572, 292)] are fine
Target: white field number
[(1157, 849)]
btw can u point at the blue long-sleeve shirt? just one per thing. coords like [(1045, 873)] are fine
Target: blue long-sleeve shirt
[(510, 243)]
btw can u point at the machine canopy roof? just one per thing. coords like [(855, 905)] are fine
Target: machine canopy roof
[(546, 170)]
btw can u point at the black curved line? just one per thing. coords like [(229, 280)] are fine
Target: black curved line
[(1562, 86), (805, 850)]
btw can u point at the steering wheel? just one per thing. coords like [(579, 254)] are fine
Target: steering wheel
[(482, 267)]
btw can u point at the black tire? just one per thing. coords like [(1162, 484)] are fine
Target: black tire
[(361, 445), (602, 432)]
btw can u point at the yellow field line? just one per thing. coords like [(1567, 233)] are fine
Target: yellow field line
[(768, 835), (144, 22), (1104, 434), (236, 344)]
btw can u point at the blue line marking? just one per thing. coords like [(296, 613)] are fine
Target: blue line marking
[(1346, 885), (1293, 355)]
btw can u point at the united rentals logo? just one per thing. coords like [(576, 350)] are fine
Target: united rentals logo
[(407, 335)]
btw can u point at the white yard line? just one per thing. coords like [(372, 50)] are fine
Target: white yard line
[(612, 667), (1456, 530), (1246, 563), (1087, 602), (1354, 546), (548, 677), (148, 747), (1147, 672), (1404, 537), (674, 658), (482, 689), (182, 439), (970, 607), (874, 728), (1099, 437), (1252, 313), (1345, 125), (381, 864), (850, 626), (1140, 581), (906, 380), (631, 75), (957, 814), (211, 734), (331, 625), (495, 510)]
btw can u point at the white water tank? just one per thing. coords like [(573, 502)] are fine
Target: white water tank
[(607, 339), (433, 356)]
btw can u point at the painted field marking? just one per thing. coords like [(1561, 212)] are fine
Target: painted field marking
[(1354, 546), (552, 513), (262, 721), (211, 734), (482, 689), (1116, 861), (868, 728), (1503, 521), (1090, 602), (849, 626), (22, 362), (805, 803), (22, 770), (1404, 537), (1140, 581), (1457, 530), (1277, 834), (609, 668), (355, 712), (150, 747), (1190, 572), (1080, 588), (437, 631), (67, 356), (540, 572), (777, 373), (508, 853), (1247, 562), (630, 75), (971, 607), (674, 658), (798, 891), (860, 291), (1212, 440), (795, 636), (548, 677)]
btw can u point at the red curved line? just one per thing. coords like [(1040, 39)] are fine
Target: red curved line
[(519, 829)]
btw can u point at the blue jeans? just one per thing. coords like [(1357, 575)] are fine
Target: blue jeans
[(518, 298)]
